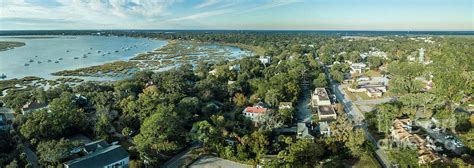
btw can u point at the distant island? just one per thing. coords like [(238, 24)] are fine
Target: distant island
[(6, 45)]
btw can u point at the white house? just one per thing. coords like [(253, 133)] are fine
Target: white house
[(357, 68), (373, 92), (265, 59), (255, 113), (285, 105), (324, 128), (320, 97)]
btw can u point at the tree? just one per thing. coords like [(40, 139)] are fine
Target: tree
[(65, 118), (337, 75), (259, 144), (240, 100), (302, 152), (320, 81), (404, 77), (204, 132), (386, 113), (160, 134), (54, 151), (126, 131), (102, 126), (270, 120), (12, 164), (272, 97), (355, 142), (374, 62)]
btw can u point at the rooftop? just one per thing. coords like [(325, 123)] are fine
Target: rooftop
[(321, 93), (100, 158), (326, 110), (33, 105), (255, 109)]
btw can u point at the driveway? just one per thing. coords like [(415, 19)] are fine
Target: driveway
[(9, 114), (304, 106), (179, 159)]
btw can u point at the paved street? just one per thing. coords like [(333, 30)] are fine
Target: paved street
[(30, 155), (178, 160), (215, 162), (304, 106), (354, 113), (8, 113)]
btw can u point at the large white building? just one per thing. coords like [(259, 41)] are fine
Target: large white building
[(320, 97), (100, 154)]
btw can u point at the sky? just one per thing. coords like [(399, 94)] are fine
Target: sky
[(411, 15)]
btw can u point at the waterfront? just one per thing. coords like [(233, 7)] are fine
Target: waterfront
[(43, 55)]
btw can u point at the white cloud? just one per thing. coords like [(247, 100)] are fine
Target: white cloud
[(201, 15), (272, 4), (207, 3), (82, 13)]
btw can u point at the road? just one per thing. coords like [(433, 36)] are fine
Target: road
[(178, 160), (303, 106), (30, 156), (354, 114), (9, 114)]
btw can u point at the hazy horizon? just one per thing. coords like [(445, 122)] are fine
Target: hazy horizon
[(305, 15)]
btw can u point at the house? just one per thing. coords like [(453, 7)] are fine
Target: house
[(255, 113), (373, 92), (235, 67), (324, 128), (213, 72), (401, 132), (326, 113), (101, 154), (320, 97), (265, 59), (357, 68), (285, 105), (302, 131), (32, 107), (362, 78)]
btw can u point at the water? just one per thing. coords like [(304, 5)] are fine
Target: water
[(70, 52)]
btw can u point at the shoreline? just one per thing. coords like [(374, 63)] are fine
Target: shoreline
[(8, 45), (172, 54)]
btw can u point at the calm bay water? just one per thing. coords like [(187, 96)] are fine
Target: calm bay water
[(47, 54)]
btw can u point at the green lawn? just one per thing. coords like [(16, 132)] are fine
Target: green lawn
[(373, 73), (367, 161)]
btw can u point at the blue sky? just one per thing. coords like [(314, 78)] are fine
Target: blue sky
[(238, 14)]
